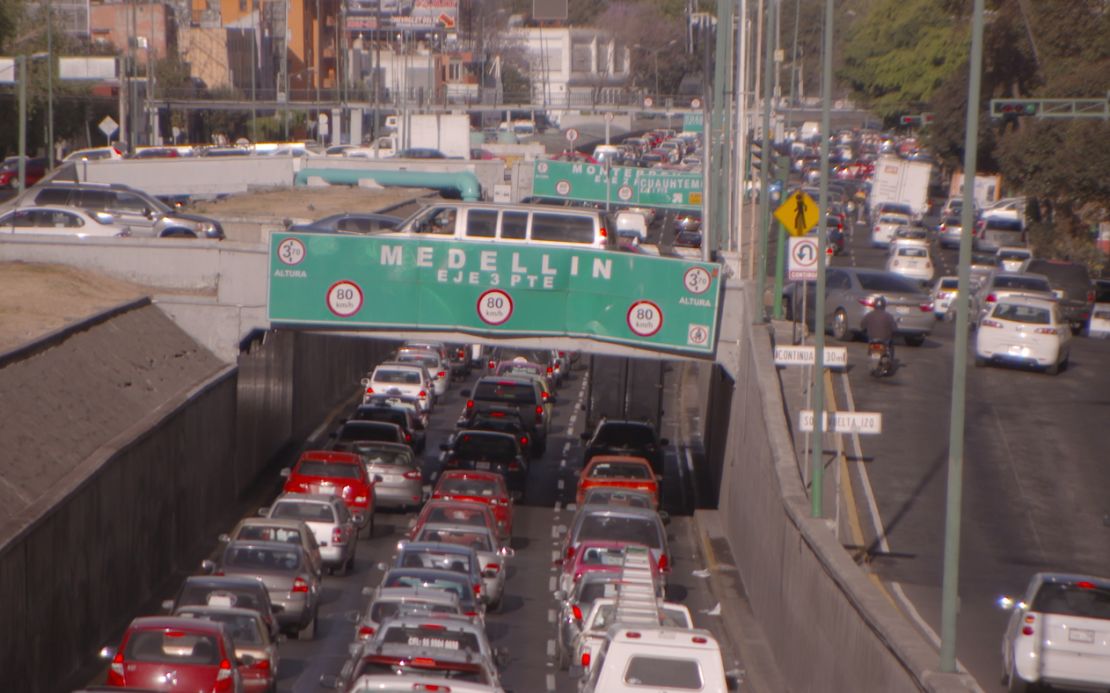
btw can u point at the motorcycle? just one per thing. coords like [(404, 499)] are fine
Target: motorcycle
[(881, 362)]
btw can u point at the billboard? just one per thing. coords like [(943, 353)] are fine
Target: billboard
[(410, 15)]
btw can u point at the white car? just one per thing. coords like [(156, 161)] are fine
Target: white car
[(1020, 330), (944, 293), (1013, 259), (1099, 324), (410, 379), (62, 221), (655, 659), (331, 523), (1059, 633), (439, 369), (883, 230), (911, 259)]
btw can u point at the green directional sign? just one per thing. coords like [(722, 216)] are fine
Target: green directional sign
[(624, 185), (694, 122), (335, 281)]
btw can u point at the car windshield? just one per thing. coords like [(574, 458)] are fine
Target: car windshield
[(386, 414), (1013, 254), (326, 469), (505, 391), (1076, 599), (479, 541), (261, 558), (1014, 312), (171, 647), (467, 487), (487, 446), (430, 637), (397, 377), (890, 219), (605, 527), (243, 628), (886, 283), (619, 470), (625, 435), (663, 672), (1029, 283), (377, 665), (309, 512)]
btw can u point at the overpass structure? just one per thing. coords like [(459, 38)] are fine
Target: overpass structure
[(814, 603)]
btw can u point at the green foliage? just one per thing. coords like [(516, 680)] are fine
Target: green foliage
[(900, 53)]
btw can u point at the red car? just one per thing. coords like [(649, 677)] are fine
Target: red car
[(166, 653), (456, 512), (33, 171), (333, 473), (597, 555), (479, 487), (626, 472)]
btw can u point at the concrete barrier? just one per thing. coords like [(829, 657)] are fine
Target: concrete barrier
[(830, 627)]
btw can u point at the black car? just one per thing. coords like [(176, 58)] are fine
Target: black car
[(352, 432), (487, 451), (402, 416), (613, 437), (492, 417), (349, 222), (523, 393), (243, 592), (1072, 283)]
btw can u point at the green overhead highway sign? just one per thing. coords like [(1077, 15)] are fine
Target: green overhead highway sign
[(383, 282), (626, 185), (693, 122)]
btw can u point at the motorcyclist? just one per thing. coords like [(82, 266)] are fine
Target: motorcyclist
[(880, 326)]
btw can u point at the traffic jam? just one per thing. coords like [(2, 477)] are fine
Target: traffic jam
[(458, 527)]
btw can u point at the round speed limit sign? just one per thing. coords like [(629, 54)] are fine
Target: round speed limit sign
[(645, 318), (495, 307), (344, 298)]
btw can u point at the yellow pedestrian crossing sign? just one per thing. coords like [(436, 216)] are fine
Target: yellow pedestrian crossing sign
[(798, 213)]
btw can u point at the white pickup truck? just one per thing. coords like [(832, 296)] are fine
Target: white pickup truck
[(656, 660), (602, 615)]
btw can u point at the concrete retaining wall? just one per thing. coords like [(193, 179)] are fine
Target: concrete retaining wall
[(146, 504), (830, 627)]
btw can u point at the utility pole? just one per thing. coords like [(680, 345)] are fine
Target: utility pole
[(49, 83), (767, 151), (22, 69)]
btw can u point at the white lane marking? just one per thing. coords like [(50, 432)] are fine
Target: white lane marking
[(563, 462), (551, 682), (571, 507), (550, 648), (551, 584), (557, 508), (572, 419), (554, 558), (551, 615), (554, 532), (566, 447), (570, 431), (560, 484)]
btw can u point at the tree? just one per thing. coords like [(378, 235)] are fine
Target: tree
[(654, 41)]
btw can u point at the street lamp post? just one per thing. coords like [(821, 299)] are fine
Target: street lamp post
[(21, 68), (49, 84)]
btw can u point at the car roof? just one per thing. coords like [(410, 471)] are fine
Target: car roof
[(224, 581), (333, 457), (1027, 301), (471, 474), (263, 544), (483, 433), (425, 594), (439, 547), (450, 527), (619, 458), (307, 498), (622, 510), (205, 609)]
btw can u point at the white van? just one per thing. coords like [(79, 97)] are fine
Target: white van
[(656, 660), (531, 224)]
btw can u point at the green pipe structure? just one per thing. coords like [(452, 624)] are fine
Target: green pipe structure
[(464, 183)]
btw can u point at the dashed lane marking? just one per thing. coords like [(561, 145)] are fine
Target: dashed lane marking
[(551, 584), (551, 682), (551, 615), (550, 648)]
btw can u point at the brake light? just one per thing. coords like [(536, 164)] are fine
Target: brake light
[(430, 687), (585, 659), (493, 567), (577, 611), (926, 307), (991, 298), (990, 323), (337, 535), (492, 364), (633, 634), (115, 672), (441, 374), (423, 393), (570, 552), (698, 640), (1090, 296), (423, 662), (365, 633), (469, 404), (664, 564), (869, 302), (432, 626), (1085, 585), (472, 613), (1045, 330), (408, 437), (262, 664), (369, 390), (299, 585), (1027, 630), (414, 474), (224, 671), (539, 413), (604, 232), (477, 588), (550, 370), (514, 466), (524, 440)]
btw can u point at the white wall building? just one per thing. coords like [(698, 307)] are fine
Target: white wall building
[(574, 68)]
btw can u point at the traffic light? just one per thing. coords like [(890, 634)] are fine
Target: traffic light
[(1015, 107)]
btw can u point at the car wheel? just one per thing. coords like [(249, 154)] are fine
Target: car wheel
[(178, 233), (840, 326), (309, 631), (915, 340)]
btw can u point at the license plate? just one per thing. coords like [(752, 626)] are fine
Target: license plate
[(902, 310), (1081, 635), (392, 478), (326, 489), (481, 465)]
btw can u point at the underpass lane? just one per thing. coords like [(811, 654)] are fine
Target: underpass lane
[(1033, 480)]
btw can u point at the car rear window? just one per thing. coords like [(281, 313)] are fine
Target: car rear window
[(1076, 599), (378, 665), (325, 469), (199, 595), (505, 391), (1002, 224), (487, 446), (382, 610), (912, 251), (637, 530), (1031, 315), (243, 628), (309, 512), (625, 435), (261, 558), (381, 414), (479, 541), (949, 283), (172, 647), (367, 430), (619, 470), (1062, 274), (457, 515), (467, 487), (416, 636), (458, 587), (397, 377), (264, 533), (886, 283), (1028, 283), (663, 672)]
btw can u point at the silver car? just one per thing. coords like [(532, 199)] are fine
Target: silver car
[(286, 571), (270, 529), (399, 483), (482, 540), (850, 294), (575, 604), (250, 636), (387, 602), (328, 518)]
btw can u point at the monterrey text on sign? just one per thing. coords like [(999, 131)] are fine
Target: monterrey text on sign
[(650, 187)]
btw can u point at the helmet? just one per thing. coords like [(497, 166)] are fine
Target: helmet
[(880, 303)]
